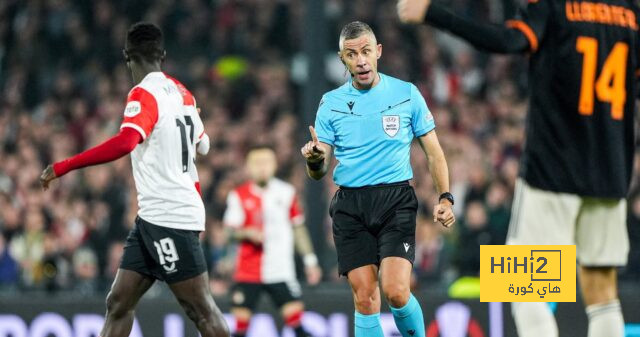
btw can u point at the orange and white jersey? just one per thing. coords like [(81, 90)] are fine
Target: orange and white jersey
[(273, 210), (164, 112)]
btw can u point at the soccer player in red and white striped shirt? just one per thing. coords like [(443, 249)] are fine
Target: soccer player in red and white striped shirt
[(161, 128), (264, 216)]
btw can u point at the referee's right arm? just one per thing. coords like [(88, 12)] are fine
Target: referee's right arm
[(318, 156)]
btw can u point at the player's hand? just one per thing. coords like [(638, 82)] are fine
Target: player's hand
[(443, 213), (254, 236), (312, 151), (47, 176), (314, 274), (412, 11)]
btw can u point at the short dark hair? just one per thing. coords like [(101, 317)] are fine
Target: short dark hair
[(353, 30), (145, 42)]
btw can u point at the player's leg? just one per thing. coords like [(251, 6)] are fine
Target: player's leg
[(133, 279), (602, 245), (179, 261), (287, 296), (127, 289), (242, 316), (540, 218), (357, 251), (600, 294), (366, 298), (292, 314), (195, 298), (244, 297)]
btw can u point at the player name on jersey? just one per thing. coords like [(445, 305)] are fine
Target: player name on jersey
[(601, 13)]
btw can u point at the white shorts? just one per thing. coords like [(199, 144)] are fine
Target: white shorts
[(597, 226)]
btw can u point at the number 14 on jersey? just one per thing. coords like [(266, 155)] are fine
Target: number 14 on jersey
[(610, 85)]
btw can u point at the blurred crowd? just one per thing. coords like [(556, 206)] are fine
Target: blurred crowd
[(63, 84)]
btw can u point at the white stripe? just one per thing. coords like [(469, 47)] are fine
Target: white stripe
[(515, 209), (135, 127), (294, 288)]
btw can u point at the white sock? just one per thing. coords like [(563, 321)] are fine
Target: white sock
[(605, 320), (534, 319)]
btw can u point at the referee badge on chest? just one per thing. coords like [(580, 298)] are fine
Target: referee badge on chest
[(391, 125)]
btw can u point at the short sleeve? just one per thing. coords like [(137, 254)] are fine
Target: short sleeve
[(532, 22), (141, 112), (324, 129), (295, 212), (198, 126), (421, 119), (234, 214)]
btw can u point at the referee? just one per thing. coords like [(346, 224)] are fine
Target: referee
[(371, 121)]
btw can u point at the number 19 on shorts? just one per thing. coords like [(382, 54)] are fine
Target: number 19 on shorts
[(167, 254)]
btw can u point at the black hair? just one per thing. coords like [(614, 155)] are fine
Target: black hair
[(145, 42)]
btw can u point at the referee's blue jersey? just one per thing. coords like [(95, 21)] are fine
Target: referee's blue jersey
[(371, 130)]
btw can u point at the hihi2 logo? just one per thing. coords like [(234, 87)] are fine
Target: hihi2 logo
[(527, 273)]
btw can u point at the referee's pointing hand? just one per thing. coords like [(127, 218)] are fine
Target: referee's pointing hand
[(312, 151)]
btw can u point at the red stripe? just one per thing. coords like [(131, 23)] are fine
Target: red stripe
[(295, 211), (147, 118), (242, 325), (249, 260), (187, 97), (294, 319)]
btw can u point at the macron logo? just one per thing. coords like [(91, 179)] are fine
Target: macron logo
[(350, 105), (406, 247)]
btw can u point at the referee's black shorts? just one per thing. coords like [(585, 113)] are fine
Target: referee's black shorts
[(373, 222)]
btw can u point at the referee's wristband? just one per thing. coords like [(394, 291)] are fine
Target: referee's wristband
[(310, 260), (448, 196), (315, 166)]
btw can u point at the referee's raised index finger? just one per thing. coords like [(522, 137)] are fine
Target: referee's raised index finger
[(314, 136)]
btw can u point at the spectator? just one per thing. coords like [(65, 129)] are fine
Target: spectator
[(8, 267), (473, 231), (432, 251)]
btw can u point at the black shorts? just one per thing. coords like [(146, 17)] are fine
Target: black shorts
[(163, 253), (373, 222), (246, 295)]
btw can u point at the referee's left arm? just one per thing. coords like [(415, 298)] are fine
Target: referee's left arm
[(423, 127), (442, 212), (437, 162)]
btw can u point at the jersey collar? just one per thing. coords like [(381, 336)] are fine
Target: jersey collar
[(354, 91), (255, 189), (154, 74)]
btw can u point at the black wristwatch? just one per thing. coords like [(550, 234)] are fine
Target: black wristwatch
[(446, 195)]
